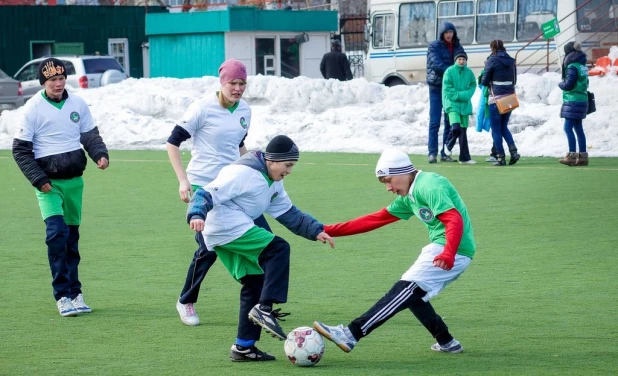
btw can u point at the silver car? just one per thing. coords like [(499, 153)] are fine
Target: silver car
[(11, 94), (83, 72)]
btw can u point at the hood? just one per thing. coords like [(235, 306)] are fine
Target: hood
[(255, 160), (573, 57), (446, 27)]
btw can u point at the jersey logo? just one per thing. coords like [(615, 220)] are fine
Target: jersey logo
[(243, 123), (274, 196), (74, 117), (425, 214)]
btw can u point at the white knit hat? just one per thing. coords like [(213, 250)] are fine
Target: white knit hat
[(394, 162)]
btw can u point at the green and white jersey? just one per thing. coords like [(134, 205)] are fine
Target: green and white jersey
[(431, 195), (54, 128), (216, 134), (240, 194)]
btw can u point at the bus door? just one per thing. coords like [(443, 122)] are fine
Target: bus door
[(382, 53)]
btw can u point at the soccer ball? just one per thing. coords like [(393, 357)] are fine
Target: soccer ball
[(304, 346)]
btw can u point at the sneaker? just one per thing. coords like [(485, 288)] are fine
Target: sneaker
[(446, 158), (471, 161), (448, 152), (250, 354), (491, 159), (187, 313), (268, 321), (65, 307), (79, 304), (452, 347), (336, 334), (432, 159)]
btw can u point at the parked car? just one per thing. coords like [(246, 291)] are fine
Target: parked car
[(11, 93), (83, 72)]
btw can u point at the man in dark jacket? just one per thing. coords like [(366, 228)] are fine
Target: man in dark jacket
[(440, 56), (335, 64), (48, 150)]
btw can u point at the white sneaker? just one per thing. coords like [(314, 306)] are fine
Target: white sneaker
[(65, 307), (187, 314), (452, 347), (491, 159), (79, 304), (471, 161), (336, 334)]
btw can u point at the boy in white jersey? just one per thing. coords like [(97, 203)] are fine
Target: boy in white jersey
[(434, 200), (47, 150), (224, 211), (218, 125)]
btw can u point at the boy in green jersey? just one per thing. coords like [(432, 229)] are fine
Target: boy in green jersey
[(434, 200)]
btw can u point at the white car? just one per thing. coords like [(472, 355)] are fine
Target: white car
[(83, 72)]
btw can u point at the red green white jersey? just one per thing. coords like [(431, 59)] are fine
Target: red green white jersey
[(240, 194), (54, 128), (431, 195), (216, 132)]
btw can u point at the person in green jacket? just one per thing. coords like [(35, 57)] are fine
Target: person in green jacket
[(458, 87)]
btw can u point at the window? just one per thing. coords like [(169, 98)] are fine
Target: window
[(496, 20), (119, 49), (29, 73), (383, 30), (531, 14), (101, 65), (417, 24), (70, 68), (597, 15), (461, 15)]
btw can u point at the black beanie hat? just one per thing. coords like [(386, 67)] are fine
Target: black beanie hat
[(49, 68), (461, 54), (281, 148)]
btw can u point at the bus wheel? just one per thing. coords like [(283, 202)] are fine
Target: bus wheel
[(394, 81)]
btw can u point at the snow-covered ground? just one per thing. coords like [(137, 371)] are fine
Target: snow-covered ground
[(328, 115)]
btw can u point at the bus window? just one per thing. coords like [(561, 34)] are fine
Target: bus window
[(597, 15), (417, 24), (461, 15), (383, 30), (531, 15), (496, 20)]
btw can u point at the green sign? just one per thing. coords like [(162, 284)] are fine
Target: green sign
[(550, 28)]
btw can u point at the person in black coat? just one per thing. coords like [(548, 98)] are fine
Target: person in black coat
[(500, 76), (335, 64), (440, 55), (574, 109)]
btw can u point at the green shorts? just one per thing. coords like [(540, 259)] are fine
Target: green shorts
[(64, 199), (454, 117), (240, 257)]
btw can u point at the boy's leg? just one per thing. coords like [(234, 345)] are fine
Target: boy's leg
[(57, 234), (73, 191), (201, 263), (464, 151), (275, 261), (455, 132)]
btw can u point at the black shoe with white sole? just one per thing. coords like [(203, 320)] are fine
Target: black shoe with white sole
[(249, 354), (268, 321)]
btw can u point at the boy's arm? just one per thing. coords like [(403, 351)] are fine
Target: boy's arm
[(362, 224), (453, 223), (467, 94), (300, 223)]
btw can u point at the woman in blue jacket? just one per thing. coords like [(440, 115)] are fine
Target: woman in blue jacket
[(574, 88), (500, 76)]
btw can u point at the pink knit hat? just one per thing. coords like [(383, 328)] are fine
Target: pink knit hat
[(232, 69)]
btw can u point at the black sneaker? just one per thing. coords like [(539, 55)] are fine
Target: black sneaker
[(432, 159), (250, 354), (446, 158), (268, 321)]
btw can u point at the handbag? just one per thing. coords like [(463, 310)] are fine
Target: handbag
[(592, 106), (507, 103)]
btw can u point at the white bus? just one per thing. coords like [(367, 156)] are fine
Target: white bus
[(399, 31)]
